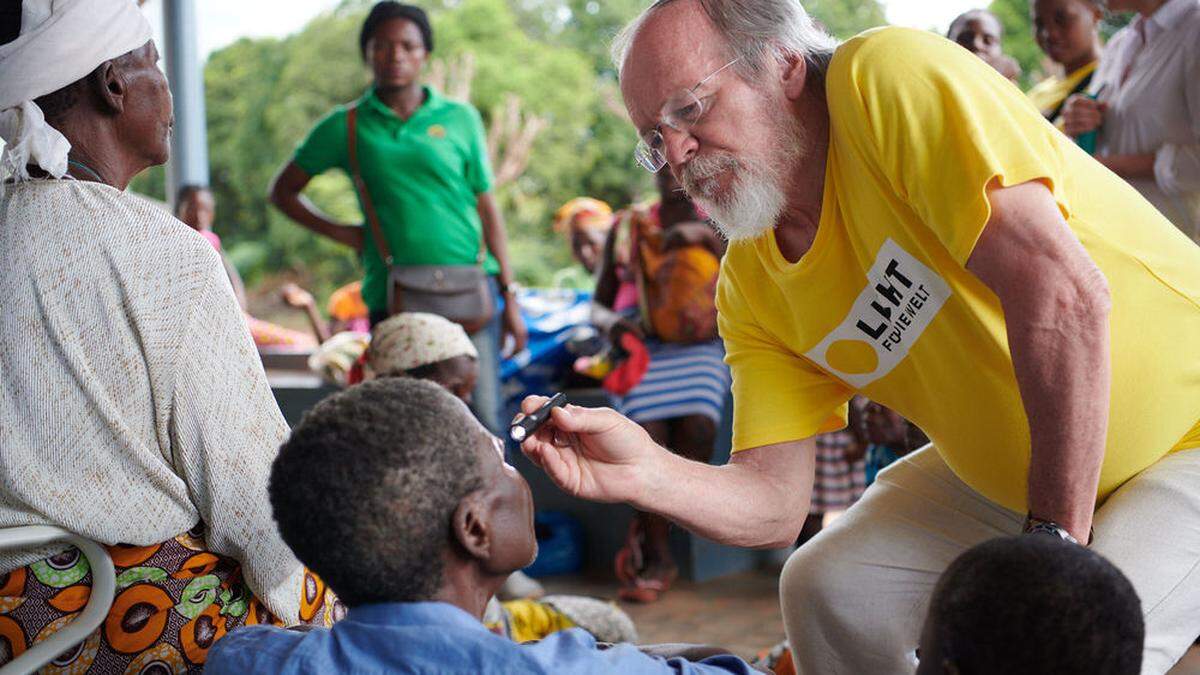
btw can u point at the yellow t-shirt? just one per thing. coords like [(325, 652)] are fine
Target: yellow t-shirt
[(882, 304)]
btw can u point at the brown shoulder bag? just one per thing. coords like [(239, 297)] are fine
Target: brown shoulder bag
[(459, 293)]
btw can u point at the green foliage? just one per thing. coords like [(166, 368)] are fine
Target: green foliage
[(846, 18), (1018, 39)]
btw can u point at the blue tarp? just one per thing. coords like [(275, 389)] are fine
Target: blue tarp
[(551, 315)]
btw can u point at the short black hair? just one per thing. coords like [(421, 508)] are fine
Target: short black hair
[(971, 14), (387, 10), (186, 191), (365, 488), (1036, 604)]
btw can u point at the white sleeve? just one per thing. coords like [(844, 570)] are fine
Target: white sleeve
[(225, 431), (1177, 165)]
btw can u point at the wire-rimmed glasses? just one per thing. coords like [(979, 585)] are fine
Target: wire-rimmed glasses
[(682, 111)]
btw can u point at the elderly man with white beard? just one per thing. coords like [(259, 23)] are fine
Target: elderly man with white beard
[(904, 225)]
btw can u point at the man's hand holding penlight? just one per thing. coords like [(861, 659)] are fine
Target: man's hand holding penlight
[(595, 453)]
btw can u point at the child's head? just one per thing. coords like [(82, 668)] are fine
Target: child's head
[(426, 347), (979, 31), (194, 205), (1067, 30), (391, 490), (1032, 604)]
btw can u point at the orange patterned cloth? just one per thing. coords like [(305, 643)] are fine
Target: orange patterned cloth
[(677, 287), (173, 601)]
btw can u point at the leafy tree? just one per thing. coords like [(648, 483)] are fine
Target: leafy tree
[(846, 18)]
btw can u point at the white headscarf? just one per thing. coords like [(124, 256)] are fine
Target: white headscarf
[(414, 339), (61, 41)]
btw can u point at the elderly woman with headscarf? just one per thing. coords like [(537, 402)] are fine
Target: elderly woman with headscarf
[(135, 411)]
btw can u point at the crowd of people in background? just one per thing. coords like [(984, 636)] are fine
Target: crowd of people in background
[(1133, 102), (391, 517)]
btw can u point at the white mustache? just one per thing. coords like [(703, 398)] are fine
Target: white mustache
[(704, 167)]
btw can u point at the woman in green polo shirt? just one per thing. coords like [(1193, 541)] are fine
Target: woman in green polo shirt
[(424, 161)]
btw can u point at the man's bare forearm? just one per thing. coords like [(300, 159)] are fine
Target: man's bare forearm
[(1056, 304), (1060, 351), (746, 502)]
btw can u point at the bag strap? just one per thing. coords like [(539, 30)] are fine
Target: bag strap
[(361, 186)]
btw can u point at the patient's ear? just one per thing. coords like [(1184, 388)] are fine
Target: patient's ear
[(473, 527)]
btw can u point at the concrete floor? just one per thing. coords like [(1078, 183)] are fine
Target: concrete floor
[(739, 613)]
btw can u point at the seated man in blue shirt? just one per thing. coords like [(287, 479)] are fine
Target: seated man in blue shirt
[(401, 501)]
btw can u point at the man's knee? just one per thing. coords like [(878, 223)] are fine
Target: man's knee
[(811, 578)]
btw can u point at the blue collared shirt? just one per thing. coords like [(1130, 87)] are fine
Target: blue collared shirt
[(434, 637)]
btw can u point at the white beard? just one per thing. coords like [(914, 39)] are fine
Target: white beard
[(756, 196), (752, 207)]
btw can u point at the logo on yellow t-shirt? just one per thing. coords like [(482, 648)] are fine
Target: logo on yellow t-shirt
[(900, 300)]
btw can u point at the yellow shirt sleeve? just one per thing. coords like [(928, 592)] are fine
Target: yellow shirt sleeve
[(778, 396), (939, 124)]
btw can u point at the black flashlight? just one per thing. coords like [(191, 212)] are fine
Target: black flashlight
[(527, 425)]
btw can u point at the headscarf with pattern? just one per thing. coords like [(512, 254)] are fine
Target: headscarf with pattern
[(414, 339)]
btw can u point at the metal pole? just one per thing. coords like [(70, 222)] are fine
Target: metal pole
[(189, 143)]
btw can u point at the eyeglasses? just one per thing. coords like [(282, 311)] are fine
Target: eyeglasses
[(683, 110)]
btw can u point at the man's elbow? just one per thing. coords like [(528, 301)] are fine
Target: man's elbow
[(784, 529), (782, 535), (784, 538), (1089, 298)]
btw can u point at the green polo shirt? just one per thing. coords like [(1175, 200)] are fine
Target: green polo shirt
[(424, 175)]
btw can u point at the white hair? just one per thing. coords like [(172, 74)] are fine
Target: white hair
[(755, 31)]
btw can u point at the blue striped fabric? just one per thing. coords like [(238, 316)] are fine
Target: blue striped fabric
[(682, 380)]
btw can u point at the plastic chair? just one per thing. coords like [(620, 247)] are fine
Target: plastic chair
[(104, 583)]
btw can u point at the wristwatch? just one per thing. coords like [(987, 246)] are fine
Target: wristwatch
[(510, 288), (1035, 525)]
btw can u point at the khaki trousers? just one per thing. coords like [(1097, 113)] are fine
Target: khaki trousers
[(854, 598)]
